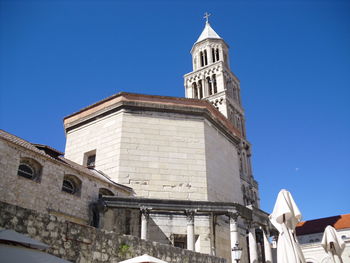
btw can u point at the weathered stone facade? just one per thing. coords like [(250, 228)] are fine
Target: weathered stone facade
[(45, 193), (161, 154), (82, 243)]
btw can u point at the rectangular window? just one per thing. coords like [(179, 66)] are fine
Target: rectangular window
[(90, 159)]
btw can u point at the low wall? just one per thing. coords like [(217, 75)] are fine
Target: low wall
[(82, 243)]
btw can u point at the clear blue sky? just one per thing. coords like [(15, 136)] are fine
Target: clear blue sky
[(292, 57)]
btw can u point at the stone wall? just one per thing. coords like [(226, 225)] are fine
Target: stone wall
[(81, 243), (159, 155), (46, 195), (222, 167), (102, 135)]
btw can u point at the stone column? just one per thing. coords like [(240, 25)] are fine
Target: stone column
[(144, 222), (190, 229), (253, 252), (234, 235), (267, 246)]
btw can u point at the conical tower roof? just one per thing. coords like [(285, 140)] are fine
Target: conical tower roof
[(208, 32)]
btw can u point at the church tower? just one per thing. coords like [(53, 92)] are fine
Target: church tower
[(213, 80)]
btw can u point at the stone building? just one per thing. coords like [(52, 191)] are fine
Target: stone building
[(310, 233), (38, 177), (167, 148), (172, 170)]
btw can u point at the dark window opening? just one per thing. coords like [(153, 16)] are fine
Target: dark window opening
[(68, 187), (90, 162), (26, 171), (202, 58), (210, 88), (214, 84), (30, 169), (195, 91), (200, 89), (213, 55), (71, 185), (104, 191), (180, 241), (205, 57), (217, 54)]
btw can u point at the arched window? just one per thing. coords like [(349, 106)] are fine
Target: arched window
[(205, 57), (25, 170), (210, 88), (104, 191), (217, 55), (195, 90), (214, 84), (213, 55), (200, 88), (202, 58), (30, 169), (71, 185)]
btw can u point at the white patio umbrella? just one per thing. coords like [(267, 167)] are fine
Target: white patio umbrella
[(16, 247), (143, 259), (285, 217), (332, 244)]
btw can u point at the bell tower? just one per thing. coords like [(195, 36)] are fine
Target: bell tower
[(213, 80)]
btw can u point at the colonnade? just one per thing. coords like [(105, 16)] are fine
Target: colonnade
[(234, 234), (204, 87)]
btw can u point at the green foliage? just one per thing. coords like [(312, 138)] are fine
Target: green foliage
[(123, 249)]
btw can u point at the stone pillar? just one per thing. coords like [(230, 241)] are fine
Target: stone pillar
[(144, 222), (267, 246), (253, 252), (190, 229), (234, 235)]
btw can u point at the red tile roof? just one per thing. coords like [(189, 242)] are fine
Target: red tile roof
[(319, 225)]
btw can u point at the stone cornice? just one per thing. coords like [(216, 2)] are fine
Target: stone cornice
[(137, 102)]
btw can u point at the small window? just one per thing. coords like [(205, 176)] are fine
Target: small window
[(30, 169), (104, 191), (90, 159), (213, 55), (71, 185), (68, 187), (180, 241), (26, 171)]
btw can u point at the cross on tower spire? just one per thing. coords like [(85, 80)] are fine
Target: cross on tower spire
[(206, 16)]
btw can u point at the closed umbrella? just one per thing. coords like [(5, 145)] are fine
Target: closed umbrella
[(285, 217), (143, 259), (332, 244), (16, 247)]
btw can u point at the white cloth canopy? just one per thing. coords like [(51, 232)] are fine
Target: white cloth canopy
[(285, 217), (143, 259), (21, 248), (13, 236), (332, 244), (15, 254)]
